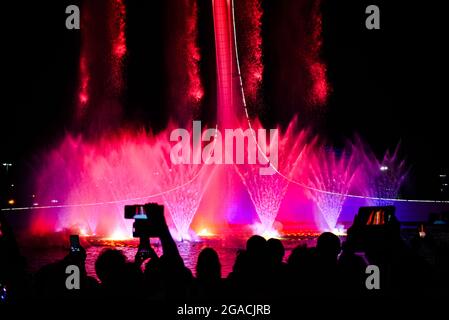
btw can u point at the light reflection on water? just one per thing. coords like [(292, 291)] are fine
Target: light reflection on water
[(226, 249)]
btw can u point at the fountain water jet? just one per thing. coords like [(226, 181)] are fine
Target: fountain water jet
[(187, 184), (105, 172), (329, 179), (384, 177), (96, 174), (267, 191)]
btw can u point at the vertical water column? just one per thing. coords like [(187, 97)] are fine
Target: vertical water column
[(117, 28), (103, 49), (196, 90), (183, 86), (248, 22), (223, 29), (317, 68), (229, 191)]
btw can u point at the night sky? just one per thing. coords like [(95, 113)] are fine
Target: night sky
[(388, 85)]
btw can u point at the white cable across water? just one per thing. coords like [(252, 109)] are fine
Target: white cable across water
[(105, 202), (93, 204)]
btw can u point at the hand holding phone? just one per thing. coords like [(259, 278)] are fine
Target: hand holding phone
[(149, 220), (75, 243), (145, 251)]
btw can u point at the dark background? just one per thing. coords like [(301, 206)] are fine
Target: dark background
[(388, 85)]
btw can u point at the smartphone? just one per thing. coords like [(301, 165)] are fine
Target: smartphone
[(376, 216), (75, 243), (136, 212)]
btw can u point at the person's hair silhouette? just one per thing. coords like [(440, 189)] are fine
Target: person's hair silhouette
[(256, 245), (328, 246), (208, 267), (275, 251), (110, 266)]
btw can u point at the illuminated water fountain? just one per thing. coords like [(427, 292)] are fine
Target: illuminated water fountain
[(267, 191), (385, 176), (330, 178), (94, 172), (182, 187)]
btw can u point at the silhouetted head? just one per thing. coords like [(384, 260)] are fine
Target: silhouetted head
[(300, 256), (256, 245), (275, 250), (110, 265), (208, 266), (328, 245)]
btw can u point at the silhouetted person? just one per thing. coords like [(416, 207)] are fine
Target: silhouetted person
[(256, 245), (109, 267), (249, 275), (13, 278), (325, 264), (328, 247), (300, 266), (208, 267), (119, 278), (208, 284), (50, 280), (277, 269), (166, 277), (275, 251), (351, 273)]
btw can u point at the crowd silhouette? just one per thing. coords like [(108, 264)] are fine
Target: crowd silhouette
[(260, 272)]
